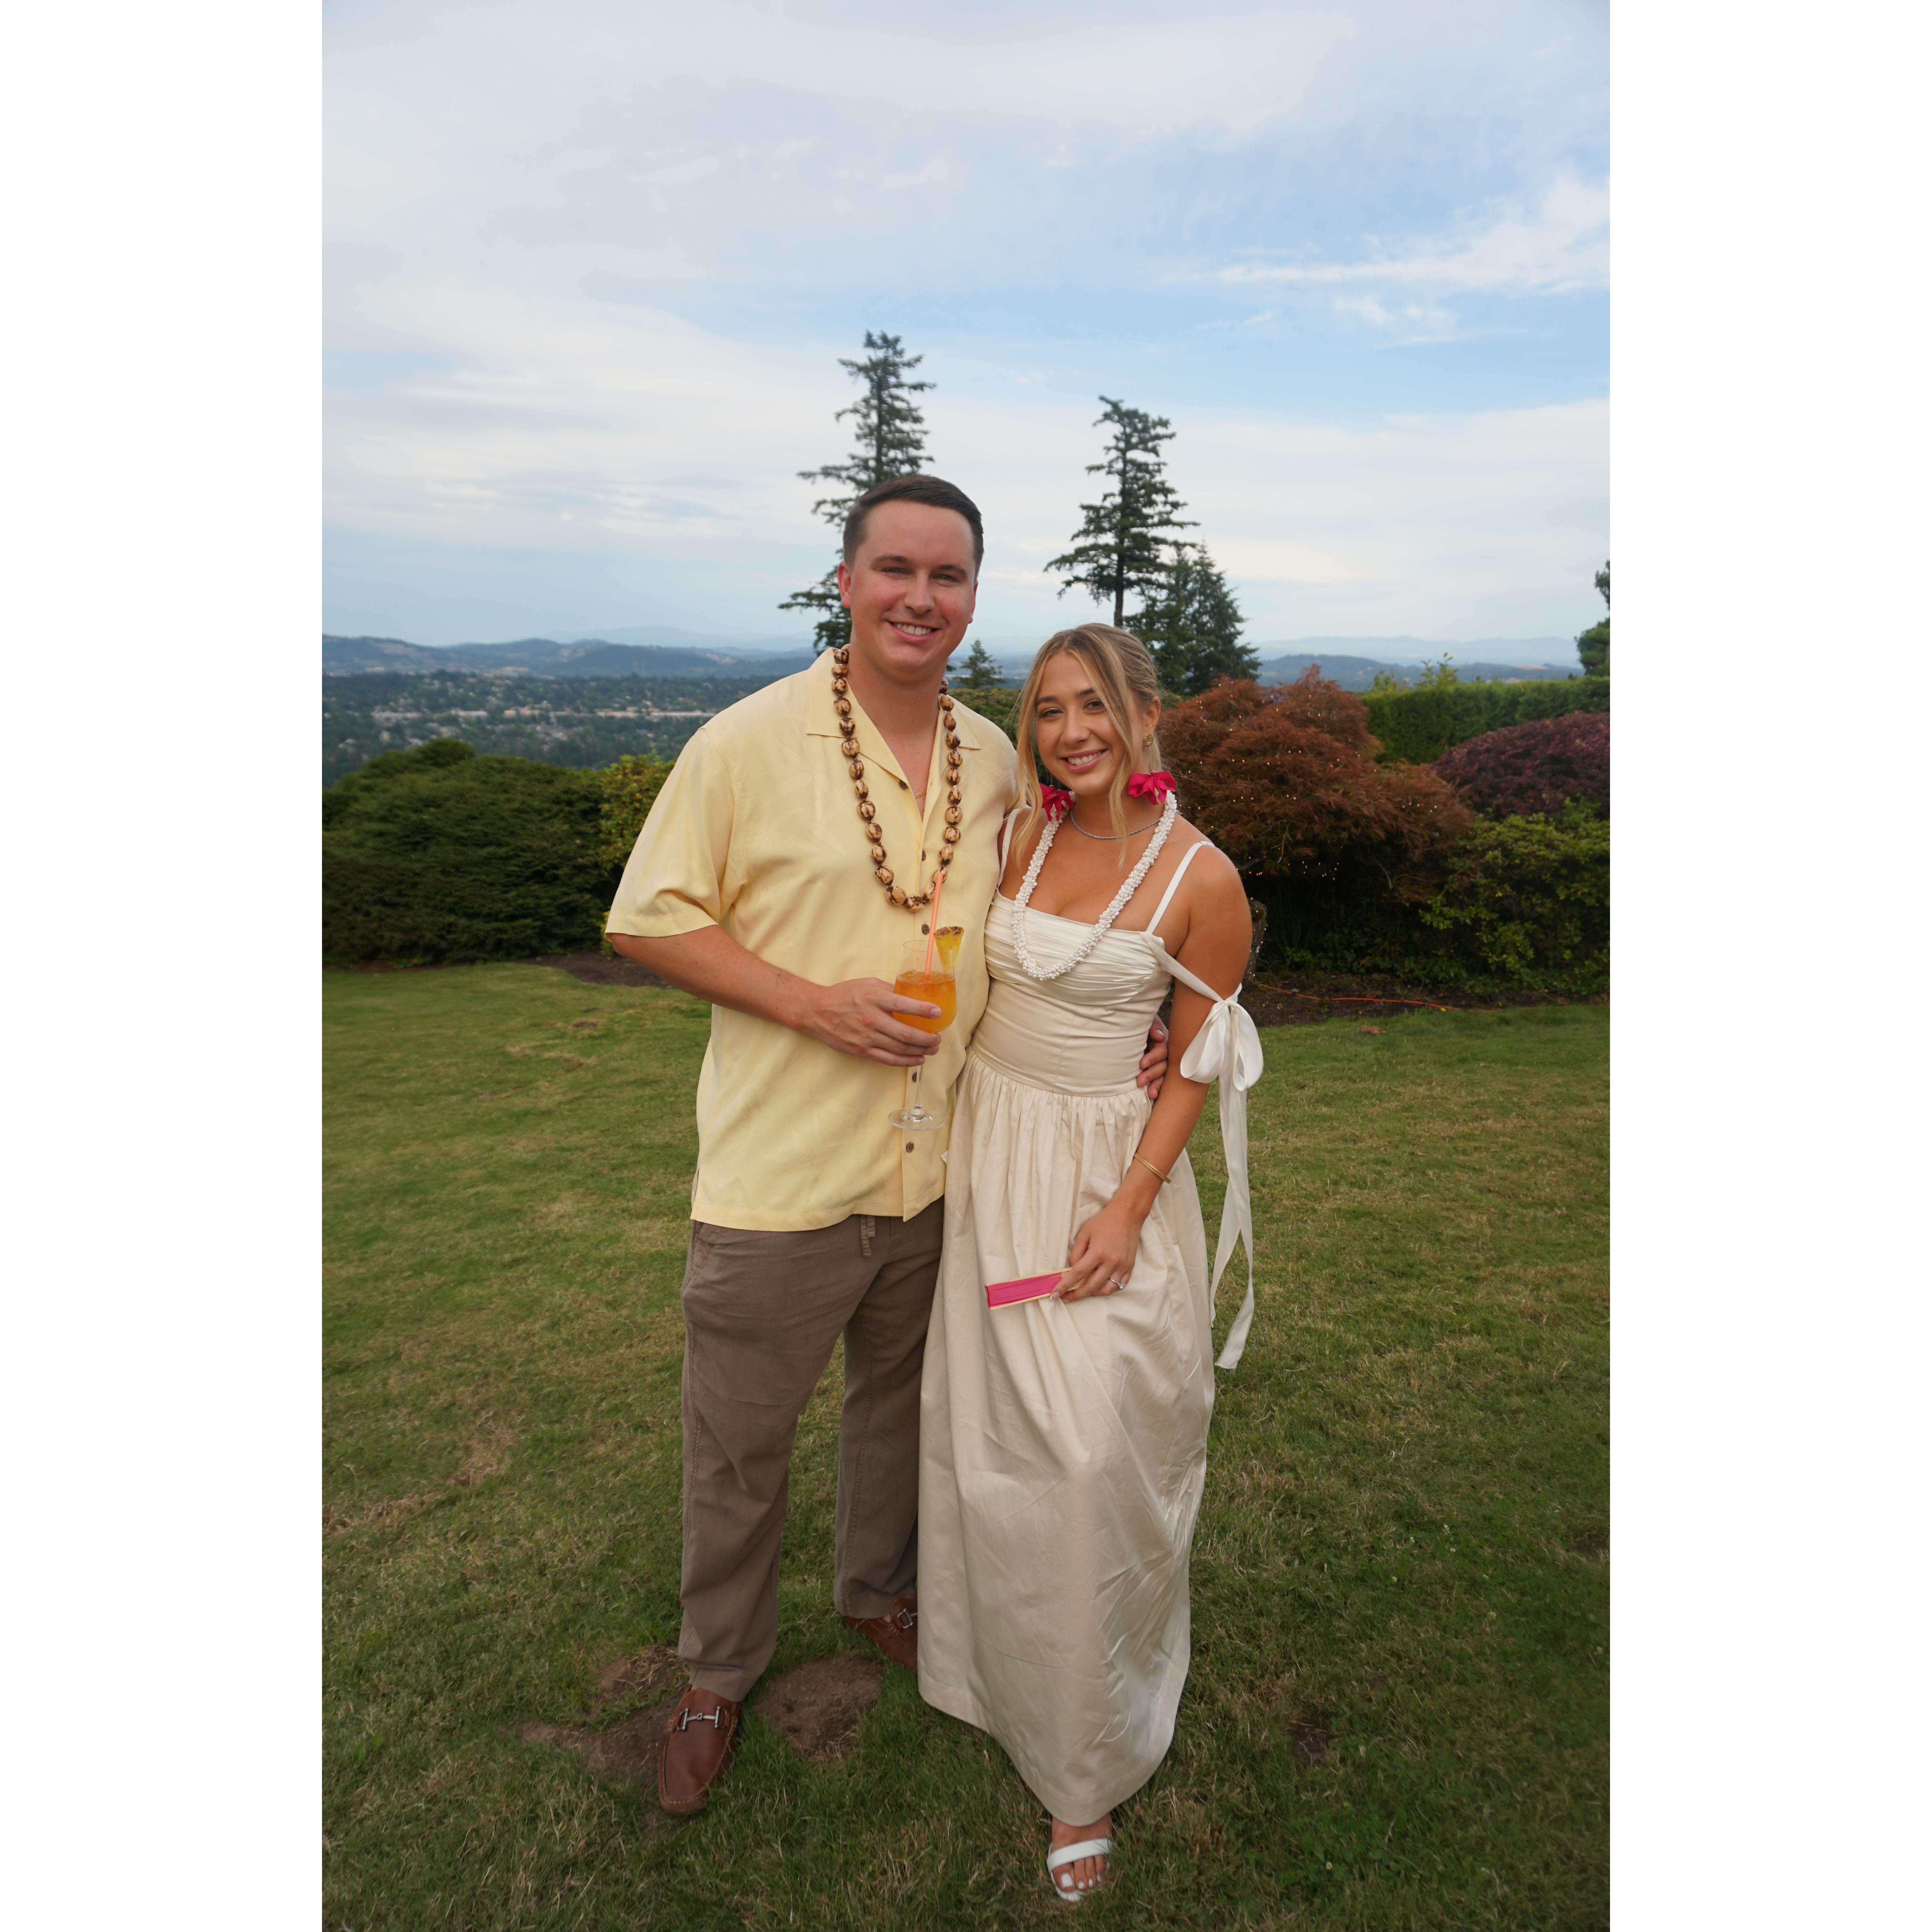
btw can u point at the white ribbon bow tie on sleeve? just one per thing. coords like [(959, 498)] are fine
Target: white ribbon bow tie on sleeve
[(1228, 1050)]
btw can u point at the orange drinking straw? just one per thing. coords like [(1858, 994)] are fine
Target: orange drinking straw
[(932, 920)]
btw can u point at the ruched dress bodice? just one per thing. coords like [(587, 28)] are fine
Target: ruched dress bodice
[(1083, 1033)]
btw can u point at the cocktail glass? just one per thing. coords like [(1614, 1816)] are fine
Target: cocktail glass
[(924, 974)]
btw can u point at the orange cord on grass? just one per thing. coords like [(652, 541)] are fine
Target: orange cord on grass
[(1349, 999)]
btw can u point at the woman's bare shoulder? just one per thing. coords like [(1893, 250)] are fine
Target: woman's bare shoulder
[(1213, 874)]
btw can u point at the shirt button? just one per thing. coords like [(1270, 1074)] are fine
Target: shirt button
[(902, 785), (908, 1147)]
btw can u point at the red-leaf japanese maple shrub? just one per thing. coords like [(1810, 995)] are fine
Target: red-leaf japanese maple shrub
[(1533, 770), (1340, 850)]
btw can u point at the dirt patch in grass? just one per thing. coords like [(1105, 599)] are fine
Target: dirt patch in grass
[(630, 1678), (817, 1706), (1310, 1739), (624, 1752)]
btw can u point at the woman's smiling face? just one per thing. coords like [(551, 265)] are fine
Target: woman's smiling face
[(1079, 743)]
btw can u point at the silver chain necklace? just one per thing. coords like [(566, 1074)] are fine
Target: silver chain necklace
[(1169, 812), (1109, 836)]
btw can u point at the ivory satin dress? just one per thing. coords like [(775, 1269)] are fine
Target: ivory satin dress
[(1063, 1447)]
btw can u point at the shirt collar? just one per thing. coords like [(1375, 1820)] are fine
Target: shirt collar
[(821, 721)]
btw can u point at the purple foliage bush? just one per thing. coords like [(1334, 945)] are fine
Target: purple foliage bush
[(1533, 770)]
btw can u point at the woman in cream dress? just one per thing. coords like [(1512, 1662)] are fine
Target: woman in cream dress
[(1063, 1441)]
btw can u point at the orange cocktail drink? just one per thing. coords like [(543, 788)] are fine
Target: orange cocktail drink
[(924, 974), (936, 988)]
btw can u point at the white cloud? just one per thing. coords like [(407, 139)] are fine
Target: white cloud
[(1561, 245), (1407, 321), (630, 148)]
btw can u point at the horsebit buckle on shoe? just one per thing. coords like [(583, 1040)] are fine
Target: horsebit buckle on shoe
[(906, 1619), (686, 1719)]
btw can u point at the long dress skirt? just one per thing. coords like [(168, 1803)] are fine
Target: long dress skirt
[(1063, 1447)]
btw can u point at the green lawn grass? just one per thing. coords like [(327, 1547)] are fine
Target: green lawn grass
[(1397, 1713)]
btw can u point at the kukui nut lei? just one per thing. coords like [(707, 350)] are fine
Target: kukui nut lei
[(842, 698)]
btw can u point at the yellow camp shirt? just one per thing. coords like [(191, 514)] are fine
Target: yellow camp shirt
[(756, 829)]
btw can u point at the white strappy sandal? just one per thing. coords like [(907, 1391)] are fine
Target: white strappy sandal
[(1064, 1883)]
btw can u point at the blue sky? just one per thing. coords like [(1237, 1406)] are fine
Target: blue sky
[(590, 268)]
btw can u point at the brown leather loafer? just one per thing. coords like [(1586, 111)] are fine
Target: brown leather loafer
[(896, 1632), (699, 1739)]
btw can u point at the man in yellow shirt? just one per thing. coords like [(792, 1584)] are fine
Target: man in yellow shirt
[(792, 853)]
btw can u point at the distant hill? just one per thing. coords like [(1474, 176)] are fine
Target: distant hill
[(1348, 661), (1520, 653), (1355, 674), (1353, 662), (546, 657), (667, 637), (660, 651)]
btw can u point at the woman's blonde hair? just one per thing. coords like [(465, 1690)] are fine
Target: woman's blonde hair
[(1125, 683)]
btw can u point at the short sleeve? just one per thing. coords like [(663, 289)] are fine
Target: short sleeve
[(674, 881)]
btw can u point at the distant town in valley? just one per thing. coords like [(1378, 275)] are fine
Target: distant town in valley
[(587, 701)]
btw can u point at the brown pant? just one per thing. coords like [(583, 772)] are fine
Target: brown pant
[(761, 1312)]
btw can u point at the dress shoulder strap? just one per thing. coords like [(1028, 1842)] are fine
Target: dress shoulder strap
[(1166, 898)]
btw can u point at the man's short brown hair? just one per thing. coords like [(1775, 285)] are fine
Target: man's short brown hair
[(916, 488)]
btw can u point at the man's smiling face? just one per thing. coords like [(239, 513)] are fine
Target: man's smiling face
[(911, 590)]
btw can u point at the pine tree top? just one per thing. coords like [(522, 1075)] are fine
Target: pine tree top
[(888, 428), (1121, 545)]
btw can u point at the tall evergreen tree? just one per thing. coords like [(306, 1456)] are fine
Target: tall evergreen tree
[(888, 436), (1120, 547), (1593, 645), (1193, 626)]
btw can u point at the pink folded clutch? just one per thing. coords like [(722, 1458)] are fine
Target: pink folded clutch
[(1029, 1288)]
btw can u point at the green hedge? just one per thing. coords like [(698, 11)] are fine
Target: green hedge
[(1529, 899), (1421, 723), (436, 854), (1521, 902)]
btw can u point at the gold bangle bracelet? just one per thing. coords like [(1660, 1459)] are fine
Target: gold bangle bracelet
[(1152, 1169)]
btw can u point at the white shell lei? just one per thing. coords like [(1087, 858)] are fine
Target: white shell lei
[(1169, 812)]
